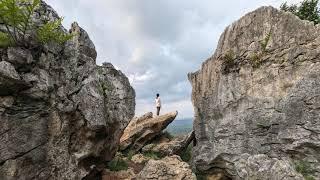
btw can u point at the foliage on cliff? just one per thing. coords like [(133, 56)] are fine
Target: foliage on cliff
[(307, 10), (19, 28)]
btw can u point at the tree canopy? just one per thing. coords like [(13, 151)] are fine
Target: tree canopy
[(307, 10), (17, 26)]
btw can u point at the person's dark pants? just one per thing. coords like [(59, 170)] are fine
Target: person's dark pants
[(158, 111)]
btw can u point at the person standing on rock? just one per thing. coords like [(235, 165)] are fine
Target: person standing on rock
[(158, 104)]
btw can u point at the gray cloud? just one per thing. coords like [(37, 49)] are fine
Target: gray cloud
[(156, 43)]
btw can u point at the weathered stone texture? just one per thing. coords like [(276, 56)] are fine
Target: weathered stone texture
[(251, 99), (60, 113), (142, 130), (171, 167), (167, 147)]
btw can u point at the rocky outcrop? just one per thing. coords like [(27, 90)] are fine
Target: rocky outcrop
[(143, 167), (139, 159), (169, 147), (10, 80), (118, 175), (60, 113), (141, 130), (259, 94), (171, 167), (263, 167)]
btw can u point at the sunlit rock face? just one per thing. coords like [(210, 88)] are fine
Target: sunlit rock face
[(256, 99), (170, 167), (142, 130), (60, 113)]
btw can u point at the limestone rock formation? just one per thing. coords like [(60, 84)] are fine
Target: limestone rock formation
[(259, 94), (171, 167), (60, 113), (263, 167), (142, 130), (139, 159), (170, 147), (142, 167)]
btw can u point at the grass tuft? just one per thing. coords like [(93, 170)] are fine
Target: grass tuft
[(304, 168), (153, 155), (130, 154), (118, 164), (229, 62)]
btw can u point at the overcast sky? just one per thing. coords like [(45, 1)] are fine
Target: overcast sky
[(156, 42)]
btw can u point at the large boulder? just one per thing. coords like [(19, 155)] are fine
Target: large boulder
[(141, 130), (60, 113), (170, 147), (171, 167), (259, 94)]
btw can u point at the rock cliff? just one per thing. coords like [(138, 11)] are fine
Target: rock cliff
[(256, 99), (60, 113)]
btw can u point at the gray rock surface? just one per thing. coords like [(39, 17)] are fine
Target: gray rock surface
[(60, 113), (10, 80), (170, 147), (171, 167), (142, 130), (19, 56), (263, 167), (260, 95)]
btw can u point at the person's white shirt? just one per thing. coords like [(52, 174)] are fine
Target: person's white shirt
[(158, 102)]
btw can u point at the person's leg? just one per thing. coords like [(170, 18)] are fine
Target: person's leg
[(158, 111)]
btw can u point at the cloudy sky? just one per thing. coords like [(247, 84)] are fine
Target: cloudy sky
[(156, 42)]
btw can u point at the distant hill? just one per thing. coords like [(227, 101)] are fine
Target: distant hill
[(180, 127)]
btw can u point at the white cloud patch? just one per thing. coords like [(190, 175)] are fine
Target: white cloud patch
[(156, 43)]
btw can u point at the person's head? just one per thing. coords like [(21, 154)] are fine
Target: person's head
[(158, 95)]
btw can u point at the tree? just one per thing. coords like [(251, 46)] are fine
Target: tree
[(307, 10), (18, 27)]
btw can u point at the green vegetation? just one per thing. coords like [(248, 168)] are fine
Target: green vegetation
[(100, 70), (16, 15), (309, 178), (153, 155), (51, 32), (307, 10), (187, 154), (130, 154), (105, 86), (117, 164), (229, 57), (256, 58), (305, 169), (5, 40), (264, 43), (229, 61)]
